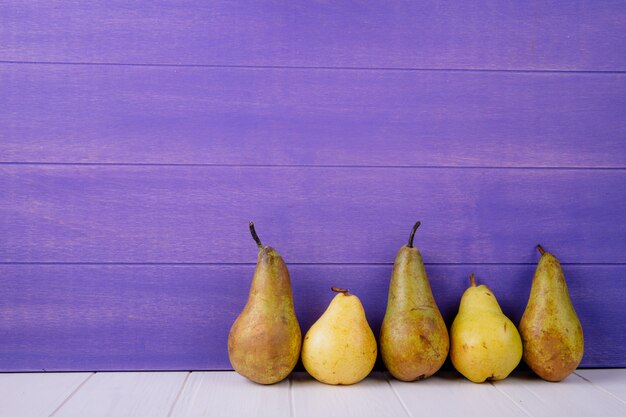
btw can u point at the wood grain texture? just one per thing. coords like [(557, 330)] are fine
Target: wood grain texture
[(371, 397), (573, 397), (450, 394), (216, 393), (113, 114), (177, 317), (229, 394), (322, 215), (36, 395), (606, 380), (125, 395), (582, 35), (174, 124)]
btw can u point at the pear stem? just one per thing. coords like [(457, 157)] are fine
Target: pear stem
[(472, 280), (541, 249), (335, 289), (255, 236), (415, 226)]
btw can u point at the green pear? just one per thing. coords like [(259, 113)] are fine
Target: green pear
[(552, 334), (413, 337), (340, 347), (264, 342), (484, 342)]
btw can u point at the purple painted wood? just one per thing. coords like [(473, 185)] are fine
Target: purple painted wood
[(146, 310), (312, 215), (61, 113), (98, 317), (581, 35)]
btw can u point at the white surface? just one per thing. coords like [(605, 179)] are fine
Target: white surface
[(571, 397), (450, 394), (35, 395), (607, 380), (125, 394), (178, 394), (371, 397), (228, 394)]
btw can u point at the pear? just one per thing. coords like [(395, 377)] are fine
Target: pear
[(340, 347), (264, 342), (552, 334), (484, 342), (413, 337)]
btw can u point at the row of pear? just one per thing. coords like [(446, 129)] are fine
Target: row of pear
[(265, 341)]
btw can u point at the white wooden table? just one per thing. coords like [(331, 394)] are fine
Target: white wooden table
[(116, 394)]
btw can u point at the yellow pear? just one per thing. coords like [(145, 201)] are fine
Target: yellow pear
[(340, 347), (484, 343)]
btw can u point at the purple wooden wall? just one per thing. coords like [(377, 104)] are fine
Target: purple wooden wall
[(137, 140)]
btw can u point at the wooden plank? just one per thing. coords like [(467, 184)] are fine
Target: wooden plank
[(322, 215), (448, 394), (177, 317), (583, 35), (609, 380), (371, 397), (113, 114), (228, 394), (572, 397), (125, 394), (36, 395)]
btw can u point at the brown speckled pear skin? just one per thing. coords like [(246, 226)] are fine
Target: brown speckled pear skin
[(550, 329), (264, 342), (413, 338)]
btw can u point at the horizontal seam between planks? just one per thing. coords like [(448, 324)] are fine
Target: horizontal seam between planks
[(313, 67), (322, 166), (304, 263)]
